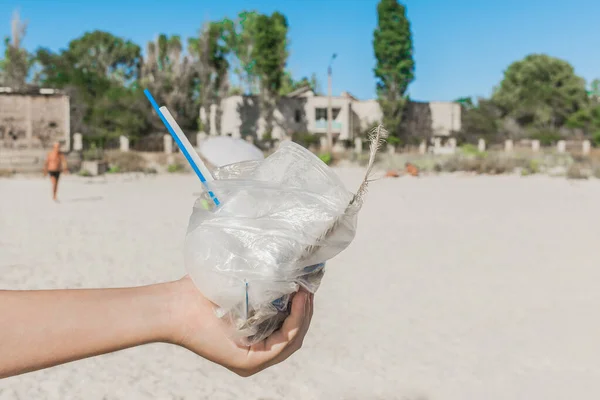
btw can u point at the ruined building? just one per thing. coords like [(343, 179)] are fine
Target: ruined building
[(33, 119)]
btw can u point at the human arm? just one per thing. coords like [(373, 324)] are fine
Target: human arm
[(45, 328)]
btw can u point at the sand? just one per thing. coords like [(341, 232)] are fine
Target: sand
[(456, 287)]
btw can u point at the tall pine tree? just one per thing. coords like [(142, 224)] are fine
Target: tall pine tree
[(395, 68), (270, 53)]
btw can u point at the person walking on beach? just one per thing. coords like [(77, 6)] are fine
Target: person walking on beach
[(54, 164)]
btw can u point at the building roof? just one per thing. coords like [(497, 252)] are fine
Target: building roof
[(31, 91), (300, 91), (350, 96)]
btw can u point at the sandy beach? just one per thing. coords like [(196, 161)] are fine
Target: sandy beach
[(456, 287)]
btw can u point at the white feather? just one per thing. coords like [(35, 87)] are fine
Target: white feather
[(377, 139)]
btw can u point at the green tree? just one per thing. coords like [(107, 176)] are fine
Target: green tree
[(594, 91), (480, 119), (241, 40), (392, 43), (107, 55), (540, 92), (105, 101), (289, 84), (17, 62), (466, 102), (120, 111), (171, 77), (270, 55), (210, 52)]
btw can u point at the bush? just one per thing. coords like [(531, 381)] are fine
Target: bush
[(498, 165), (577, 171), (547, 138), (84, 173), (481, 164), (174, 168), (462, 163), (393, 141), (267, 136), (596, 171), (93, 154), (306, 139), (422, 163), (6, 173), (470, 149), (125, 161), (533, 167), (363, 158), (596, 139), (326, 158)]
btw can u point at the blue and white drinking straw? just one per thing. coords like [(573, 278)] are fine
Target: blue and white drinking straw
[(184, 145)]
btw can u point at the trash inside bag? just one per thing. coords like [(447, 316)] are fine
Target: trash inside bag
[(278, 221)]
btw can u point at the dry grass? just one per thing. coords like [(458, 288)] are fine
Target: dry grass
[(125, 161), (571, 165), (6, 173), (578, 171)]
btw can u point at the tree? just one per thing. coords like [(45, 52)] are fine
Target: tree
[(288, 83), (107, 55), (594, 91), (315, 84), (171, 77), (17, 62), (480, 119), (241, 40), (98, 71), (540, 92), (120, 111), (466, 102), (210, 52), (392, 43), (270, 55)]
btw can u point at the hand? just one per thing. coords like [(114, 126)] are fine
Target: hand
[(35, 324), (196, 327)]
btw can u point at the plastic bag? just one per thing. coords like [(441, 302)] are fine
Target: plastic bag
[(279, 220)]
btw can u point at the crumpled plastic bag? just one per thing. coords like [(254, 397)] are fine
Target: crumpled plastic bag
[(279, 220)]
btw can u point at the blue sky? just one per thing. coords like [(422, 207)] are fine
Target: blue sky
[(461, 46)]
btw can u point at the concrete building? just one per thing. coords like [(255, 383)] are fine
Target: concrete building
[(304, 111), (34, 119), (30, 121)]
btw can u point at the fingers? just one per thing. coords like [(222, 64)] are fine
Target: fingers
[(311, 308), (292, 324), (306, 324), (295, 342), (289, 338)]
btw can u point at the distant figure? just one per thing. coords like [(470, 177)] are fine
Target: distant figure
[(411, 169), (55, 163)]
